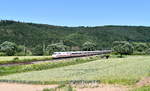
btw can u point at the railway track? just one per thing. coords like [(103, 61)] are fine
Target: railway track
[(57, 59)]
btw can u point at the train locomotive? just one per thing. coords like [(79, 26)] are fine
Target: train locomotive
[(78, 53)]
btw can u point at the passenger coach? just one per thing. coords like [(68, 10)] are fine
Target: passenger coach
[(78, 53)]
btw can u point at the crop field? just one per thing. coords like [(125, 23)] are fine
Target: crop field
[(13, 59), (126, 70)]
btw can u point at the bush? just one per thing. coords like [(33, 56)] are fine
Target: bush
[(89, 46), (9, 48), (20, 54), (15, 59), (52, 89), (2, 54), (38, 50), (123, 47), (56, 48), (148, 51), (139, 53), (61, 88), (141, 47)]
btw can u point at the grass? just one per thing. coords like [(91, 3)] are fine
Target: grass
[(61, 88), (114, 70), (144, 88), (19, 59), (42, 66), (8, 58)]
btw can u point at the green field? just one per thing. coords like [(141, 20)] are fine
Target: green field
[(126, 70), (12, 59), (8, 58), (5, 70)]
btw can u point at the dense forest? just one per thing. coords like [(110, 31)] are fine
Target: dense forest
[(32, 35)]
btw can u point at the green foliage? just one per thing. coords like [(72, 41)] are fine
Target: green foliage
[(148, 44), (148, 51), (31, 34), (20, 54), (9, 48), (46, 89), (123, 47), (89, 46), (56, 48), (69, 88), (125, 71), (41, 66), (144, 88), (21, 50), (61, 88), (141, 47), (52, 89), (2, 54), (22, 59), (37, 38), (38, 50), (16, 59)]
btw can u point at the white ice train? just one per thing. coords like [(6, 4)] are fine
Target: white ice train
[(78, 53)]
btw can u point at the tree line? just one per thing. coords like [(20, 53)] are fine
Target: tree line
[(128, 48), (12, 49), (119, 47)]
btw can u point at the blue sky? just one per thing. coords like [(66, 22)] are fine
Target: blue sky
[(77, 12)]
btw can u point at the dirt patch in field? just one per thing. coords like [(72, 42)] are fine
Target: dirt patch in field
[(144, 82), (104, 87), (23, 87)]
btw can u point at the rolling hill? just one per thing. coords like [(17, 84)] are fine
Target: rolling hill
[(31, 34)]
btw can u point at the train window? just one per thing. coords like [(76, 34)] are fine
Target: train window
[(75, 53)]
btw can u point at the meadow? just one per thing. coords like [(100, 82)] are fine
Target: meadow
[(126, 71)]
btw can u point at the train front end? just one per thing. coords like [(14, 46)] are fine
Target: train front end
[(61, 54)]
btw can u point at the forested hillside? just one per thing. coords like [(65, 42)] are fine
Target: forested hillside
[(31, 35)]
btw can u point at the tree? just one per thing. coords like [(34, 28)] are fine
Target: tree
[(148, 51), (123, 48), (38, 50), (56, 48), (21, 50), (9, 48), (141, 47), (89, 46)]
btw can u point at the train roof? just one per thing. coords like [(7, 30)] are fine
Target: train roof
[(84, 51)]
